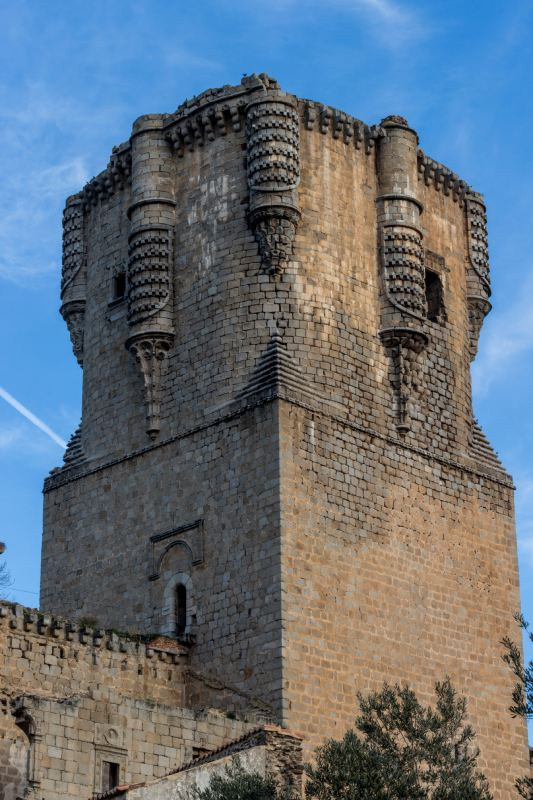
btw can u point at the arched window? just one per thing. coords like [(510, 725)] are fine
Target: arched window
[(180, 609)]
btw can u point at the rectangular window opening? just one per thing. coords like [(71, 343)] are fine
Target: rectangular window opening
[(110, 775), (119, 286), (434, 297)]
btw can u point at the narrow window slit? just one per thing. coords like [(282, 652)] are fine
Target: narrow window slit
[(181, 609), (119, 286), (434, 297)]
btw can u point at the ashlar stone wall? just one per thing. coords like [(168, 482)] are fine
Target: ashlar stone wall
[(73, 698), (277, 414)]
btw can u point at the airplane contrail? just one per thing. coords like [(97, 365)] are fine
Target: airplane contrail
[(32, 418)]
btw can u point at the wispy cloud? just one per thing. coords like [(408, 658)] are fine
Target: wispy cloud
[(32, 418), (42, 133), (392, 22), (384, 9), (36, 195), (9, 437), (509, 336)]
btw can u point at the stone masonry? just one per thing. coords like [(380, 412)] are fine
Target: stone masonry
[(73, 697), (276, 307)]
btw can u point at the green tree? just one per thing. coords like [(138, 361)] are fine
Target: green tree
[(401, 750), (522, 705), (237, 784)]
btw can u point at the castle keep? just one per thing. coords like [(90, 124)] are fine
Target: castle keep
[(277, 470)]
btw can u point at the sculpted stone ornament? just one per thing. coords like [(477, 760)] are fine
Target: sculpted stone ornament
[(149, 351), (274, 230), (73, 313), (478, 308), (478, 273), (403, 348), (73, 273), (273, 165)]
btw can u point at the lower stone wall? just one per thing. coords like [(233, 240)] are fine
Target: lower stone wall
[(74, 699), (268, 751), (74, 740)]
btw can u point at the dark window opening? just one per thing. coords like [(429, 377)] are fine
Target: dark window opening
[(110, 775), (434, 297), (181, 609), (119, 286)]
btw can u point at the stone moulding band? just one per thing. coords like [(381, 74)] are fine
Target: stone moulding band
[(160, 537), (149, 228), (274, 190), (55, 482), (408, 197), (166, 201), (396, 224)]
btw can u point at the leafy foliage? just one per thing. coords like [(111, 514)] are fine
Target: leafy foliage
[(237, 784), (522, 705), (523, 690), (401, 750)]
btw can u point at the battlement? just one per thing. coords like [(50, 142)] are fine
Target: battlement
[(68, 656), (32, 621), (217, 112)]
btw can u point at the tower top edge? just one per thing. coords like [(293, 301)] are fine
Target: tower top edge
[(208, 108)]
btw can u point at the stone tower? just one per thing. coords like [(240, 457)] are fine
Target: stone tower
[(276, 307)]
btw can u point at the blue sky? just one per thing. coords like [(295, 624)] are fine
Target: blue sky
[(73, 77)]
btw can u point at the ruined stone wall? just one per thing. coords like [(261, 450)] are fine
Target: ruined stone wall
[(73, 697), (269, 751)]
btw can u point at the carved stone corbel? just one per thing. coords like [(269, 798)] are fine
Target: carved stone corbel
[(274, 230), (478, 308), (73, 312), (403, 348), (149, 351)]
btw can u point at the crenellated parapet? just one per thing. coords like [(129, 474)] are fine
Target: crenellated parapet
[(28, 622), (441, 178), (116, 177), (339, 125)]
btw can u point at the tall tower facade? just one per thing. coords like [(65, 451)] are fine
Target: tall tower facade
[(276, 307)]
